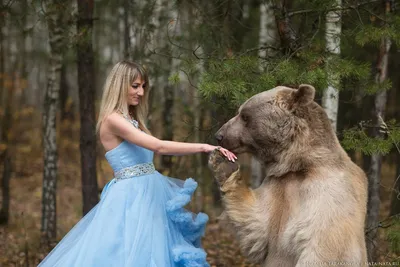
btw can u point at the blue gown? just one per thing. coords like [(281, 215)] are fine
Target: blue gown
[(139, 222)]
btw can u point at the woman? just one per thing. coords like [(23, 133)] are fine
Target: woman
[(140, 220)]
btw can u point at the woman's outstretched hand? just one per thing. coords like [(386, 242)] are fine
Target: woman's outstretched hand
[(229, 155)]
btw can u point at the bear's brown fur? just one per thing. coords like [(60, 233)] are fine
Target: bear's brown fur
[(310, 209)]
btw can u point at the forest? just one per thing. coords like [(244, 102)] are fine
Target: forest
[(204, 59)]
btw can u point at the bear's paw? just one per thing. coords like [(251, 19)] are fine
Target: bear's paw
[(221, 167)]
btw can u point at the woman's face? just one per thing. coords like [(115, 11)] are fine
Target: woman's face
[(136, 91)]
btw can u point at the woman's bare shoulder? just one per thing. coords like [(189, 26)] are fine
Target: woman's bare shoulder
[(110, 121), (113, 118), (117, 124)]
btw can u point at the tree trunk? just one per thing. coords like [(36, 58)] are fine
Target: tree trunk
[(127, 30), (169, 90), (197, 114), (66, 111), (330, 98), (168, 133), (267, 33), (55, 12), (374, 173), (266, 37), (5, 186), (3, 91), (287, 35), (23, 59), (4, 128), (395, 204), (86, 85), (5, 156)]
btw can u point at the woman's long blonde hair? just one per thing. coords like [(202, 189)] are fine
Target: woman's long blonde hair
[(115, 92)]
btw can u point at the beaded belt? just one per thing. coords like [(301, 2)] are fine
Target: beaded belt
[(135, 170)]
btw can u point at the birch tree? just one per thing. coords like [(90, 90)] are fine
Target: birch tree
[(55, 11), (330, 98), (266, 37)]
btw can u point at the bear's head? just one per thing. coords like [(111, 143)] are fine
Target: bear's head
[(281, 122)]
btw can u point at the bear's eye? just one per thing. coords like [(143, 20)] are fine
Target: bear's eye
[(245, 117)]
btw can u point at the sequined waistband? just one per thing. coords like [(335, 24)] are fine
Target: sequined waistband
[(135, 170)]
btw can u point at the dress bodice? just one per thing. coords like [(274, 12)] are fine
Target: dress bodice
[(127, 154)]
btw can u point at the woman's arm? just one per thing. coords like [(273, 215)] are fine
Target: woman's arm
[(119, 126)]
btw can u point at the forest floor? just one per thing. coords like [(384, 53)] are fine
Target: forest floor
[(20, 239)]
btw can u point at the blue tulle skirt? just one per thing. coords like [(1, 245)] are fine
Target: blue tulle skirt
[(138, 222)]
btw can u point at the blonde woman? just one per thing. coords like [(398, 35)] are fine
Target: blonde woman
[(140, 220)]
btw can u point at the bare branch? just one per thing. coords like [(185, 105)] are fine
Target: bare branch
[(188, 77), (381, 223), (304, 11), (265, 47)]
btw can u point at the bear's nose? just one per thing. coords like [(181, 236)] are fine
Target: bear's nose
[(219, 137)]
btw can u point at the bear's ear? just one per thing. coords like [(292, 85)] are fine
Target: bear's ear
[(303, 96)]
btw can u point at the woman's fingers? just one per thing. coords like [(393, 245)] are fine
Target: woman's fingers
[(228, 154), (233, 155), (223, 151)]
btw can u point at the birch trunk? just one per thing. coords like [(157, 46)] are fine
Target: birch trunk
[(54, 22), (374, 173), (266, 37), (330, 98), (86, 83), (267, 34)]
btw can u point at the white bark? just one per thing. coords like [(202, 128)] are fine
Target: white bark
[(267, 36), (330, 98), (50, 172)]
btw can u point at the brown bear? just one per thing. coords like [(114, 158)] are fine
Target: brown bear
[(310, 209)]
